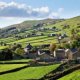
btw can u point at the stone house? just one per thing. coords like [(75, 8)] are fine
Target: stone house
[(69, 54), (72, 54), (59, 54)]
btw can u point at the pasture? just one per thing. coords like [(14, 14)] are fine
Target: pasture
[(72, 76), (6, 67), (35, 41), (14, 61), (35, 72)]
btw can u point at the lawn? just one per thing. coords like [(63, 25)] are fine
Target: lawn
[(72, 76), (29, 73)]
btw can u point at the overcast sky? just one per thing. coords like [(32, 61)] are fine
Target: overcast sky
[(16, 11)]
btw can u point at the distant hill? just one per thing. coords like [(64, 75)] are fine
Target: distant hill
[(31, 24), (14, 29)]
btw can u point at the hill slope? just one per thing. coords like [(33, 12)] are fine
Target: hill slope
[(31, 23), (16, 28), (47, 23), (72, 22)]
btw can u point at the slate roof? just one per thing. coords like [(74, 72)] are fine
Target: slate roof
[(74, 50)]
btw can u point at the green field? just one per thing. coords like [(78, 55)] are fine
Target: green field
[(35, 41), (39, 40), (12, 61), (3, 47), (6, 67), (7, 40), (36, 72), (72, 76)]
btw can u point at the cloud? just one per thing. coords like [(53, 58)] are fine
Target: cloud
[(56, 14), (14, 9)]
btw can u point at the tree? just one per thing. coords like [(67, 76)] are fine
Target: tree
[(54, 27), (73, 33), (1, 43), (52, 47), (76, 41), (19, 46), (67, 45), (6, 54), (19, 50)]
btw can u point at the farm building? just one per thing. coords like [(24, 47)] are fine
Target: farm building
[(72, 54), (59, 54), (69, 54), (46, 57)]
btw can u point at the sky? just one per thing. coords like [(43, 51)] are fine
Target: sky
[(17, 11)]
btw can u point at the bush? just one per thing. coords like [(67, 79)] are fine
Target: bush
[(67, 46), (19, 51)]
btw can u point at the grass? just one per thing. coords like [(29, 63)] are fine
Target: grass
[(6, 67), (3, 47), (7, 40), (72, 76), (35, 41), (22, 41), (11, 61), (28, 39), (30, 73), (39, 40)]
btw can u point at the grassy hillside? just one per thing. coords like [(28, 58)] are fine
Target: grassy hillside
[(72, 22), (36, 72), (31, 23), (46, 23), (39, 40), (73, 76), (26, 25)]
